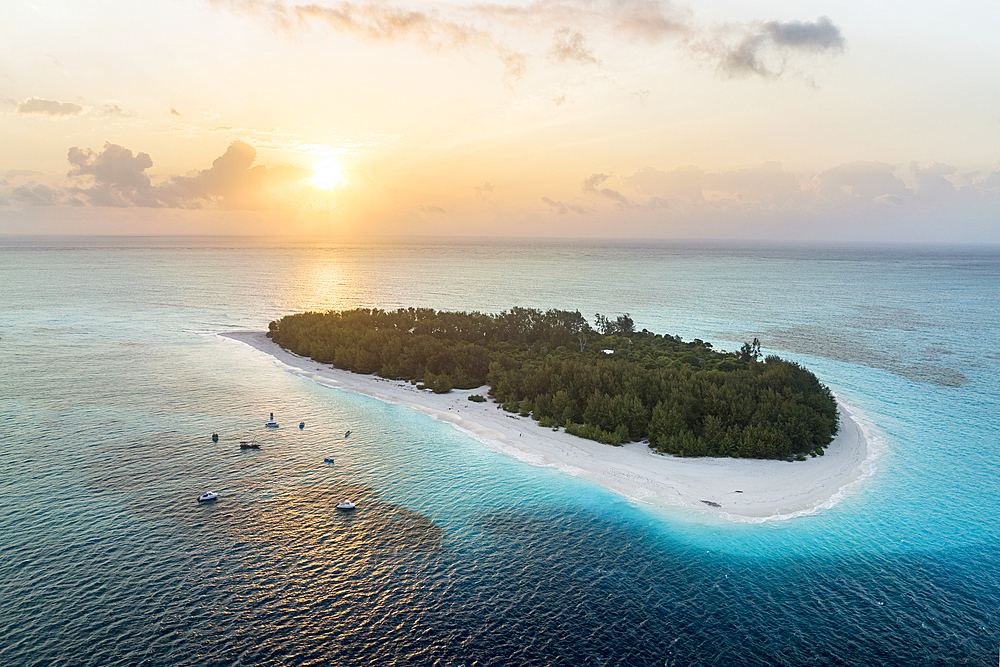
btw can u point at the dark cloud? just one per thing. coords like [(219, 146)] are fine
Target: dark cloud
[(820, 35), (764, 48), (39, 107)]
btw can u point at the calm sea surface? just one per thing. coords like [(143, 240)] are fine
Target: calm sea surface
[(112, 381)]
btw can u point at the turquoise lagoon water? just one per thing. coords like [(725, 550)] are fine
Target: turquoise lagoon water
[(113, 379)]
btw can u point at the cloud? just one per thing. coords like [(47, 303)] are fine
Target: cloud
[(118, 177), (569, 46), (889, 200), (563, 208), (484, 191), (479, 26), (175, 112), (618, 198), (932, 184), (691, 188), (766, 184), (20, 173), (115, 110), (591, 182), (820, 35), (651, 20), (37, 194), (684, 183), (763, 49), (860, 182), (234, 182), (38, 107), (377, 23), (852, 190)]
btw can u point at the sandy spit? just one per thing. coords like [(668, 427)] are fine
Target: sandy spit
[(733, 489)]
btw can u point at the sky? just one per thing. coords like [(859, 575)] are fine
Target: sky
[(810, 120)]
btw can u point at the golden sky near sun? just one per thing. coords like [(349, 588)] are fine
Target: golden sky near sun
[(638, 118)]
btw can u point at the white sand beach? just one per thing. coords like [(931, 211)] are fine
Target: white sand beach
[(734, 489)]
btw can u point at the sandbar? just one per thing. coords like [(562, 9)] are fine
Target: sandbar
[(747, 490)]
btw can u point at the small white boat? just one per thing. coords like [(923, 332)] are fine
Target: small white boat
[(208, 495), (346, 505)]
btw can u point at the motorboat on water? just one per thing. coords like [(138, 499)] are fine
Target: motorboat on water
[(327, 460), (272, 423), (302, 424), (348, 433), (346, 505), (215, 437), (248, 445), (208, 495)]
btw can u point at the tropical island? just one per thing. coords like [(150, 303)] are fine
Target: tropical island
[(608, 383)]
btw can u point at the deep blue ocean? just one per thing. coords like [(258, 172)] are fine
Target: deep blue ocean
[(112, 381)]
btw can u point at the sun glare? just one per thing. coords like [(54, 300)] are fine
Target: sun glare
[(327, 175)]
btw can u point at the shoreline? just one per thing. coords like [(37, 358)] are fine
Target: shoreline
[(742, 490)]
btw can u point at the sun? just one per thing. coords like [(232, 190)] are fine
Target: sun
[(327, 175)]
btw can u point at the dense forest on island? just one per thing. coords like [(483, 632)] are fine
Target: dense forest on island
[(608, 382)]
